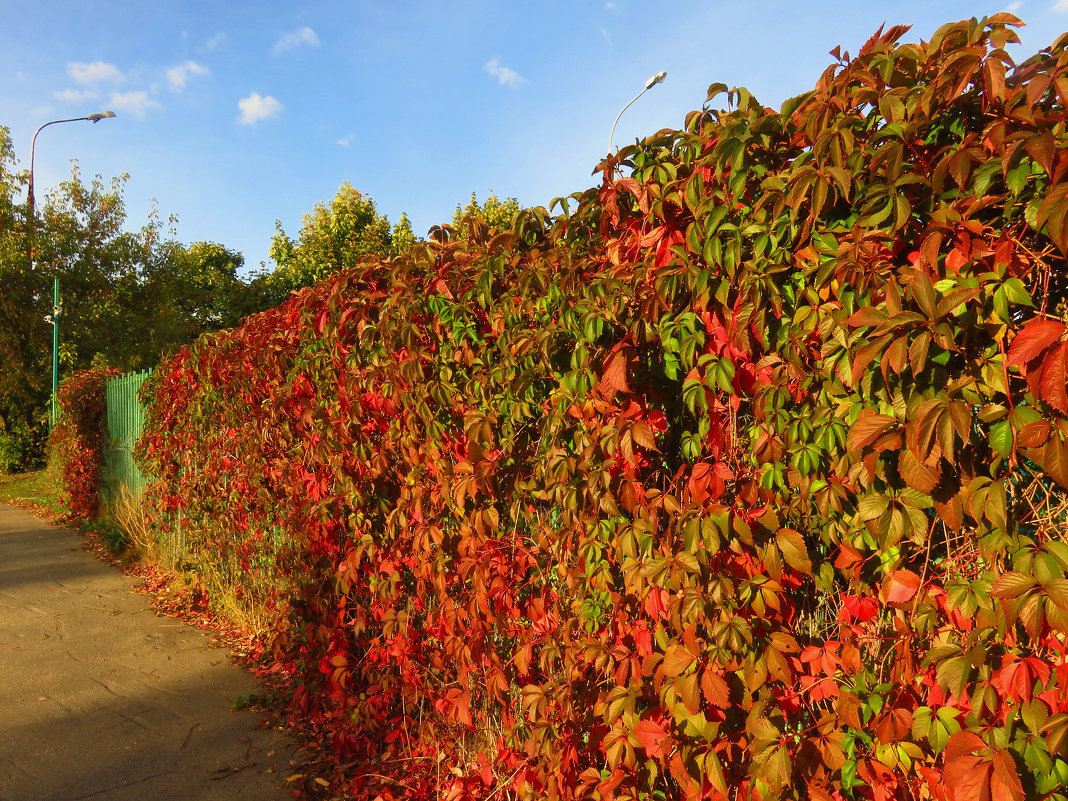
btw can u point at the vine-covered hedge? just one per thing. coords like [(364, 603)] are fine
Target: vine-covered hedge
[(743, 478), (77, 440)]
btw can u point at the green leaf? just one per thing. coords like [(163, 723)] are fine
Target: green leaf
[(1001, 438)]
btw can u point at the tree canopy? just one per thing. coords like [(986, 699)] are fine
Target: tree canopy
[(332, 238), (128, 297)]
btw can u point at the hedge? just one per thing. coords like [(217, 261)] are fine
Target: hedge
[(742, 476)]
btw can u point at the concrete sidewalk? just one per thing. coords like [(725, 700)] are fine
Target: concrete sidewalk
[(101, 699)]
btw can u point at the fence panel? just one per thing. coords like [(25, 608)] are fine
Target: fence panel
[(124, 418)]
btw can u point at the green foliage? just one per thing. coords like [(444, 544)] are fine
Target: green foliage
[(494, 213), (38, 490), (333, 237), (743, 478), (128, 297)]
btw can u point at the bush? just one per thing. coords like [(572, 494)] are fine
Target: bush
[(77, 439), (744, 478), (20, 448)]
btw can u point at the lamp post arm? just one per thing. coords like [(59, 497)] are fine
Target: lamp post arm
[(649, 84), (612, 135), (93, 118), (33, 147)]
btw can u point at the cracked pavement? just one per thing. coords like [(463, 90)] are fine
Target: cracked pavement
[(101, 699)]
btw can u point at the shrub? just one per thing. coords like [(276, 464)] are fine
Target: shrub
[(77, 439)]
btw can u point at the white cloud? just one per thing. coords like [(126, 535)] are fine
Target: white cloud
[(214, 43), (178, 76), (509, 77), (1060, 5), (255, 108), (1014, 6), (294, 39), (136, 103), (74, 95), (347, 140), (94, 73), (610, 6)]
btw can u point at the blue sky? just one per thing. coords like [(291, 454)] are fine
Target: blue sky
[(235, 114)]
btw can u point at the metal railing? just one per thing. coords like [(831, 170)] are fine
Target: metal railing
[(124, 419)]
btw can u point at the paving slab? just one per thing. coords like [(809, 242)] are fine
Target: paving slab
[(102, 699)]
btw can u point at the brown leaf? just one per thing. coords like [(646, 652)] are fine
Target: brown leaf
[(917, 475), (867, 429), (1055, 460)]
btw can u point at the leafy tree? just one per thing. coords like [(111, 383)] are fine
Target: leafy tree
[(21, 319), (184, 291), (495, 213), (128, 297), (332, 238)]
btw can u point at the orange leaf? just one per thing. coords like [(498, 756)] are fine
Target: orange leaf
[(900, 586)]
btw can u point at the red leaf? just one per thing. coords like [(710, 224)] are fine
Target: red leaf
[(1005, 783), (1054, 386), (614, 378), (1033, 340), (848, 557), (900, 586), (653, 737), (862, 609)]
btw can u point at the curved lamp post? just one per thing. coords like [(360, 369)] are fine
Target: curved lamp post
[(649, 84), (94, 118), (54, 317)]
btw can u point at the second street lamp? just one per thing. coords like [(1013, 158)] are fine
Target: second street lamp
[(32, 219), (649, 84)]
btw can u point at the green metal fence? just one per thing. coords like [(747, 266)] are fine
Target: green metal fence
[(125, 417)]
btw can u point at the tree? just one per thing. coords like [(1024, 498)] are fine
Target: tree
[(185, 291), (22, 327), (494, 213), (332, 238), (128, 297)]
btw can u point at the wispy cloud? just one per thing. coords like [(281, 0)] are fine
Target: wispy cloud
[(1014, 6), (178, 76), (347, 140), (136, 103), (509, 77), (295, 39), (1060, 6), (255, 108), (609, 6), (214, 43), (74, 95), (95, 72)]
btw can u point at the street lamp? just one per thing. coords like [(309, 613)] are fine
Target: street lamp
[(649, 84), (93, 118), (54, 317)]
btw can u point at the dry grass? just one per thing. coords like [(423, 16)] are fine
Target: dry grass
[(218, 576)]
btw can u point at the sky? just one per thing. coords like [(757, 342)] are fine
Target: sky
[(234, 115)]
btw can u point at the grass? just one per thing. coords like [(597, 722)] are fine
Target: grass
[(38, 490)]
